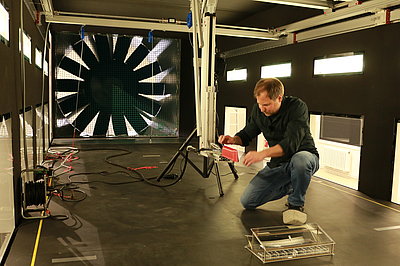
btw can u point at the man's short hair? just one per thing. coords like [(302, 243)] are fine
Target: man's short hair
[(273, 86)]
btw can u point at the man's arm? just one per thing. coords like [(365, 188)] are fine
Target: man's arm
[(225, 139), (257, 156)]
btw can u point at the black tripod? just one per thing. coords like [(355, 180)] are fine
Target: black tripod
[(208, 164)]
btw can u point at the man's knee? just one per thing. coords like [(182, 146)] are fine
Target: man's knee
[(301, 161), (247, 204)]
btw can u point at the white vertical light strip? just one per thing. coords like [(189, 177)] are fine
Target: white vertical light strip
[(396, 170), (157, 98), (114, 41), (110, 130), (90, 43), (154, 53), (28, 127), (156, 78), (27, 46), (62, 74), (38, 58), (4, 23), (89, 130), (131, 131), (62, 94), (339, 65), (136, 41), (46, 67), (3, 129), (71, 54), (236, 74), (276, 71), (71, 117)]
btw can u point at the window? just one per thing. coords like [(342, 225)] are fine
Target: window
[(236, 74), (27, 47), (339, 64), (276, 71), (4, 24), (38, 58)]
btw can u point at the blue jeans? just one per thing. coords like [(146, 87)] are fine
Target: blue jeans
[(291, 178)]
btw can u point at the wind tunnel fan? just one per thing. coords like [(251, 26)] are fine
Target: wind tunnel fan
[(110, 85)]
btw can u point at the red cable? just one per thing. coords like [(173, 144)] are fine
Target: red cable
[(143, 167)]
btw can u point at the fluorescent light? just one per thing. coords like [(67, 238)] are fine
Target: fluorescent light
[(339, 65), (46, 68), (276, 71), (27, 46), (317, 4), (38, 58), (4, 23), (236, 74)]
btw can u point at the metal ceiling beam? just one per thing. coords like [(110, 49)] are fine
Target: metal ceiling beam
[(47, 6), (342, 27), (137, 23), (117, 23), (345, 13), (378, 18)]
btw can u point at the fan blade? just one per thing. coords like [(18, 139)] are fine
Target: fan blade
[(74, 68), (121, 48), (148, 71), (103, 48), (119, 124), (147, 105), (101, 124), (68, 104), (136, 121), (85, 117), (69, 85), (151, 88), (87, 55), (137, 56)]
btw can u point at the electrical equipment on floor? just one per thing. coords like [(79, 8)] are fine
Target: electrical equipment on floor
[(34, 184), (281, 243)]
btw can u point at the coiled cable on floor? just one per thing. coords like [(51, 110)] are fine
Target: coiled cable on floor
[(35, 193)]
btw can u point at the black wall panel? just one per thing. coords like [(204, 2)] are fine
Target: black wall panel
[(11, 85), (375, 94)]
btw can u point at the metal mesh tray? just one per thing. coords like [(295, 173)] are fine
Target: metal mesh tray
[(280, 243)]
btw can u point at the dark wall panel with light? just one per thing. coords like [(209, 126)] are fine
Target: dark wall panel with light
[(373, 94)]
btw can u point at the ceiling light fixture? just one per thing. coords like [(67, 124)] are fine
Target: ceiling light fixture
[(317, 4)]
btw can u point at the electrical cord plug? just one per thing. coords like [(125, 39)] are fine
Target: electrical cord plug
[(171, 176)]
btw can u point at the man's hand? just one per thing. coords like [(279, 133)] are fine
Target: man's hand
[(253, 157), (225, 139)]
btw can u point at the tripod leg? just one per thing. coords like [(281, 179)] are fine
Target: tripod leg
[(221, 192), (234, 172), (170, 163), (179, 152)]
